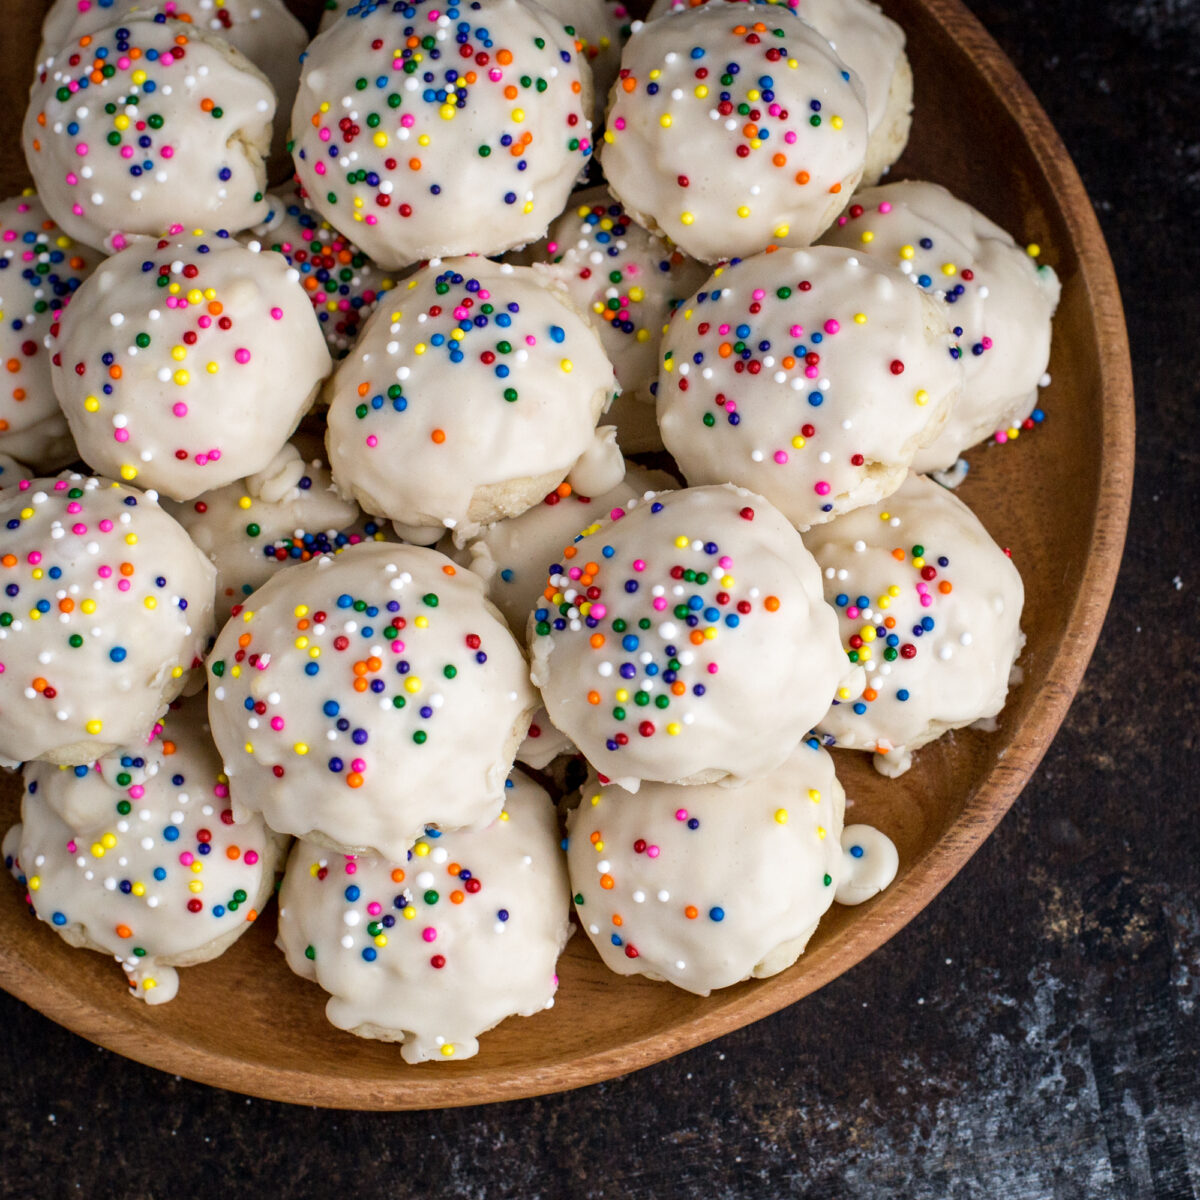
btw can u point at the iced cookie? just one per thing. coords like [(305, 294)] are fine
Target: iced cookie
[(812, 376), (343, 284), (288, 513), (263, 30), (40, 269), (442, 944), (512, 556), (424, 130), (362, 697), (996, 296), (872, 46), (146, 123), (683, 639), (484, 381), (186, 363), (161, 878), (629, 281), (734, 127), (107, 606), (707, 886), (930, 607)]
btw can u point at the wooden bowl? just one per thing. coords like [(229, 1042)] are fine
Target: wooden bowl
[(1059, 497)]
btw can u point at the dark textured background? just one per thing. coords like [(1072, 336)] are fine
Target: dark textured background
[(1034, 1034)]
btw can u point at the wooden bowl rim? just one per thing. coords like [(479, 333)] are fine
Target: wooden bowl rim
[(923, 879)]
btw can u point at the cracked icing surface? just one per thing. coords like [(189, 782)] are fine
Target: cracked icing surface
[(434, 130), (441, 945), (684, 639), (486, 382), (999, 301), (40, 269), (705, 886), (107, 606), (361, 697), (145, 123), (930, 607), (812, 376), (158, 877), (732, 128), (187, 362)]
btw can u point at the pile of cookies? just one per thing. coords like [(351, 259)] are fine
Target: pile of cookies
[(316, 515)]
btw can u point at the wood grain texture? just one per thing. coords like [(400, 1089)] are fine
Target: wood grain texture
[(1059, 498)]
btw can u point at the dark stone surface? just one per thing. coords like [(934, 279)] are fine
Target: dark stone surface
[(1034, 1034)]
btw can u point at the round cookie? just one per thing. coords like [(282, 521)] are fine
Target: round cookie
[(734, 128), (930, 607), (707, 886), (812, 376), (286, 514), (423, 130), (483, 380), (187, 362), (40, 269), (692, 645), (359, 698), (263, 30), (512, 556), (872, 46), (443, 945), (107, 606), (343, 284), (171, 126), (998, 299), (629, 281), (161, 878)]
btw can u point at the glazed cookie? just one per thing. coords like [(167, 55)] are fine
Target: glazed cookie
[(629, 281), (343, 284), (107, 607), (997, 297), (812, 376), (424, 130), (40, 268), (288, 513), (733, 128), (186, 363), (484, 381), (145, 123), (872, 46), (930, 606), (263, 30), (692, 646), (707, 886), (161, 878), (512, 556), (442, 945), (361, 697)]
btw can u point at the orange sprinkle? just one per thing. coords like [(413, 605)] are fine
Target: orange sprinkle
[(14, 365), (576, 87), (563, 490), (446, 570), (232, 852), (216, 308), (802, 177), (593, 697), (454, 869), (414, 164), (127, 569), (618, 920), (945, 587), (303, 624), (252, 916), (629, 84), (504, 57), (696, 637), (771, 604), (438, 435), (594, 837), (898, 554), (123, 931), (363, 388), (9, 560), (115, 372), (374, 664), (510, 92), (360, 668), (569, 552), (354, 779), (870, 694), (457, 897), (244, 640), (889, 622), (691, 912), (724, 349), (206, 105), (596, 641), (606, 882), (837, 187), (168, 748), (67, 605), (677, 688), (780, 160), (40, 685), (361, 685), (398, 875)]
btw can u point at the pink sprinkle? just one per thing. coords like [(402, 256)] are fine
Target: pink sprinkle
[(221, 791), (660, 602), (599, 611), (723, 329), (201, 459), (126, 151), (811, 372), (429, 933), (986, 343), (408, 120), (277, 314), (325, 134), (712, 668), (121, 435), (759, 293), (374, 908), (886, 207), (574, 572), (681, 814), (106, 526), (104, 572), (790, 137), (74, 507), (397, 647), (72, 846), (79, 529), (926, 601), (319, 168), (35, 557), (187, 858), (372, 441), (123, 585), (652, 851), (781, 457), (639, 564), (725, 561), (81, 149), (167, 152), (137, 792), (530, 340), (180, 409), (351, 865), (277, 723), (619, 123), (822, 488), (241, 355), (358, 764), (832, 326), (250, 857), (852, 612), (796, 331)]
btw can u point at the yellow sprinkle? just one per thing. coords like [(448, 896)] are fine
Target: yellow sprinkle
[(88, 606), (35, 882), (138, 889), (798, 443), (665, 120), (1033, 249), (380, 139), (97, 850), (922, 397), (518, 115), (412, 685), (421, 622), (595, 799), (622, 695), (821, 832), (301, 610), (701, 92), (743, 210), (108, 841), (178, 353), (866, 237), (181, 377), (860, 318), (150, 602), (781, 816), (685, 218), (409, 913), (843, 693), (419, 348), (567, 366), (94, 726), (212, 368), (949, 269), (598, 846), (448, 1050), (781, 231), (674, 728), (907, 252), (301, 747), (421, 850), (837, 122)]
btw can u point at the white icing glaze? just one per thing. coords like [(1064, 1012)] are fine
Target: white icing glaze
[(968, 611), (194, 384), (483, 380), (440, 947), (384, 693), (714, 678), (204, 169), (706, 886), (812, 376), (671, 145), (991, 288), (869, 864), (112, 607), (406, 178), (40, 268), (160, 877)]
